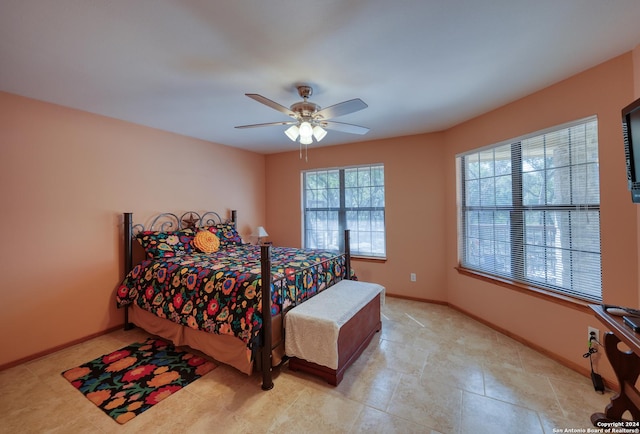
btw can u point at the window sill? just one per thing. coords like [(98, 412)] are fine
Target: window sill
[(368, 258), (564, 300)]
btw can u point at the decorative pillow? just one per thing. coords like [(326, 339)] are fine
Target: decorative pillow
[(227, 234), (206, 242), (166, 244)]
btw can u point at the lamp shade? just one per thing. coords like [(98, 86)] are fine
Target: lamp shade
[(319, 132), (292, 132), (261, 232), (306, 130)]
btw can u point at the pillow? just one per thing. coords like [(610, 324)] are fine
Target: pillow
[(166, 244), (206, 242), (227, 234)]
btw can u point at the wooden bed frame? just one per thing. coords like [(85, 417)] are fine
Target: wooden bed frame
[(170, 221)]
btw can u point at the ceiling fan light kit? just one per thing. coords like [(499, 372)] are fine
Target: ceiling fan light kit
[(319, 132), (310, 120), (305, 129), (292, 132), (306, 140)]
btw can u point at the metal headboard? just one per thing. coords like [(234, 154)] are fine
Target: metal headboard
[(168, 221)]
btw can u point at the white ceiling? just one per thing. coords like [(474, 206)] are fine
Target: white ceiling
[(185, 65)]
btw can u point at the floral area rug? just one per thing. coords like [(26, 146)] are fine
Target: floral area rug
[(132, 379)]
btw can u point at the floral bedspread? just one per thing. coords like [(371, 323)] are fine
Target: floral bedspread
[(219, 292)]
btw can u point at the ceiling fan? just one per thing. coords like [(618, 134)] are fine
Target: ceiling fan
[(310, 120)]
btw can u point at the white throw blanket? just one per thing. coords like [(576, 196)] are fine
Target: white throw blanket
[(312, 327)]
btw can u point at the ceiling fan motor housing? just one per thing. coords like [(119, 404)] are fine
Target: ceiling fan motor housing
[(304, 108)]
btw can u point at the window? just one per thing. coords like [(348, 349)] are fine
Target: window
[(345, 198), (529, 210)]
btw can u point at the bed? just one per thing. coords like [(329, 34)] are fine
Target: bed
[(198, 284)]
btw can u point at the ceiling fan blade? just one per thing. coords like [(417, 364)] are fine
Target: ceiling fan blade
[(342, 108), (269, 124), (345, 128), (272, 104)]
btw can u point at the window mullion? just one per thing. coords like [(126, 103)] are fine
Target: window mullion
[(463, 212), (571, 201), (305, 187), (517, 214), (342, 213)]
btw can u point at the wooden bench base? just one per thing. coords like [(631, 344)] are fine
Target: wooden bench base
[(355, 335)]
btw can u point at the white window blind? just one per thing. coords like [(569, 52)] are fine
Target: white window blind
[(345, 198), (529, 210)]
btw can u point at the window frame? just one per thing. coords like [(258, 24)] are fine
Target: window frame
[(517, 274), (342, 211)]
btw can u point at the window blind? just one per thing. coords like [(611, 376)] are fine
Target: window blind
[(529, 210)]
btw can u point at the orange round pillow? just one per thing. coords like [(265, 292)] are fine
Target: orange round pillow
[(206, 242)]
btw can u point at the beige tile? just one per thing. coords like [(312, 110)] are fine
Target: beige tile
[(47, 410), (220, 385), (373, 421), (537, 363), (369, 385), (521, 388), (481, 415), (19, 386), (260, 409), (578, 399), (400, 357), (316, 411), (455, 369), (427, 402), (206, 422), (397, 331), (559, 424), (430, 370), (497, 354), (509, 342)]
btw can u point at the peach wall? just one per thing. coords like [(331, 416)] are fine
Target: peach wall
[(66, 177), (603, 91), (414, 207), (420, 181)]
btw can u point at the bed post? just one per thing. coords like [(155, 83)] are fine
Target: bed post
[(128, 255), (347, 254), (265, 288), (128, 259), (234, 217)]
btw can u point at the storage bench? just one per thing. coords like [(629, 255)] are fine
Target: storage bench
[(326, 334)]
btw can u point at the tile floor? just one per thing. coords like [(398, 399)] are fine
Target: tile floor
[(431, 370)]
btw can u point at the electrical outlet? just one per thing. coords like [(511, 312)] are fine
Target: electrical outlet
[(595, 332), (413, 277)]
